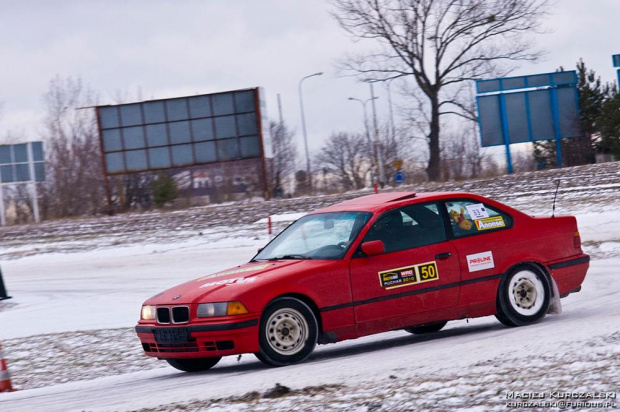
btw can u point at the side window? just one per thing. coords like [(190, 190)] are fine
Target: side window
[(408, 227), (468, 217)]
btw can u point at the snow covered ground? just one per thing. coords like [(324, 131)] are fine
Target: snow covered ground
[(69, 342)]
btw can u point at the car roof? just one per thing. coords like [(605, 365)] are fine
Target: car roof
[(383, 201)]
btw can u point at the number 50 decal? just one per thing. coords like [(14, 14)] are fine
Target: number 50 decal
[(428, 271), (409, 275)]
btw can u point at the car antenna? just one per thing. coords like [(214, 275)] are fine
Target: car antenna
[(557, 186)]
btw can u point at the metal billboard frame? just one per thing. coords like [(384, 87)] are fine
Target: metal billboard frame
[(259, 130), (616, 62), (526, 86), (13, 162)]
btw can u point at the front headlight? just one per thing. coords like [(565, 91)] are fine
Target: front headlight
[(209, 310), (148, 312)]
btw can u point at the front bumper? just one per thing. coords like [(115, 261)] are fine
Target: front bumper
[(199, 340)]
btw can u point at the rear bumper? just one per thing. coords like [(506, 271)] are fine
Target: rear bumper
[(199, 340), (569, 273)]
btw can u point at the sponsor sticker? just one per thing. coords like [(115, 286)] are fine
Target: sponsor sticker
[(477, 211), (490, 223), (408, 275), (236, 281), (233, 271), (480, 261)]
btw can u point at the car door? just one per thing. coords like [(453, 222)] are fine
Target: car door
[(418, 273), (481, 235)]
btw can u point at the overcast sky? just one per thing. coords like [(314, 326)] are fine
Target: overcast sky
[(186, 47)]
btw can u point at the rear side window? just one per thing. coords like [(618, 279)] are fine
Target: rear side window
[(468, 217), (408, 227)]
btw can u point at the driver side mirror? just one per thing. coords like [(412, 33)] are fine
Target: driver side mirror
[(372, 248)]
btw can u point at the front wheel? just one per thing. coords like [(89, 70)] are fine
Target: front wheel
[(523, 297), (288, 332), (194, 365)]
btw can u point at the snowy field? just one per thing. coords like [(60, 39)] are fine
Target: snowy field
[(68, 338)]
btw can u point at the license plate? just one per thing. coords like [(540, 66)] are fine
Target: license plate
[(171, 335)]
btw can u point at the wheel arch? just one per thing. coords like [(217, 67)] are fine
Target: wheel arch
[(503, 312), (534, 263), (308, 301)]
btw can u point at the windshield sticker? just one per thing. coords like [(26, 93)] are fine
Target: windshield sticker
[(408, 275), (233, 271), (477, 211), (236, 281), (494, 222), (480, 261)]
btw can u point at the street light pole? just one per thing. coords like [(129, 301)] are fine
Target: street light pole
[(377, 143), (303, 126), (363, 103), (389, 91), (370, 145)]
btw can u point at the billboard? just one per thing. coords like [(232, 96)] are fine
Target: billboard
[(185, 131), (188, 133), (21, 163), (527, 109), (548, 110)]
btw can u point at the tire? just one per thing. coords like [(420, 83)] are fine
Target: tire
[(194, 365), (288, 332), (523, 296), (428, 328)]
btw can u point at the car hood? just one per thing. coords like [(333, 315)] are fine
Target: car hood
[(225, 284)]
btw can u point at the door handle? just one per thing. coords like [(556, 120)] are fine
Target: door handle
[(445, 255)]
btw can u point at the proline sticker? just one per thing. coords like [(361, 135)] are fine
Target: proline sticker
[(480, 261)]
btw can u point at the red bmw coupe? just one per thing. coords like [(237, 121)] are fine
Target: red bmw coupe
[(411, 261)]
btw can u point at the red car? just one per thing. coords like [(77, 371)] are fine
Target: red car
[(411, 261)]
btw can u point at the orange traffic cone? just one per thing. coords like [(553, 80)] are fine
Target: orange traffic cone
[(5, 379)]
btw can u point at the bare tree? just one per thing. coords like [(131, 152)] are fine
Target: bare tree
[(461, 155), (348, 157), (20, 196), (74, 172), (439, 45), (284, 156), (395, 147)]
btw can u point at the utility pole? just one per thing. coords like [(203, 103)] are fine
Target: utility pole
[(33, 187), (370, 144), (392, 123), (376, 135), (280, 108), (303, 127)]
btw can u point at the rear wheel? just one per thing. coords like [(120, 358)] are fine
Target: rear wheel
[(288, 332), (523, 297), (194, 365), (428, 328)]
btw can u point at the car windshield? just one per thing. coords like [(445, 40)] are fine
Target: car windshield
[(317, 236)]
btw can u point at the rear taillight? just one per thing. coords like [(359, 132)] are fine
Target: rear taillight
[(577, 240)]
